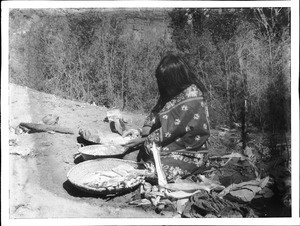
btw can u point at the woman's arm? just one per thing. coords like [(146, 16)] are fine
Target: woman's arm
[(135, 142), (144, 132)]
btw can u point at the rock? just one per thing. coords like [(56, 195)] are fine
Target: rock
[(50, 119), (13, 142), (114, 115), (18, 150)]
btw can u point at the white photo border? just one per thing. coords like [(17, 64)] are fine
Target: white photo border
[(294, 4)]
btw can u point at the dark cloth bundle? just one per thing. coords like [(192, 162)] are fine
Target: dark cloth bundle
[(204, 204)]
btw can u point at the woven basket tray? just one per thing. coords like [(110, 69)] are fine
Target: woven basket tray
[(101, 151), (104, 138), (78, 172)]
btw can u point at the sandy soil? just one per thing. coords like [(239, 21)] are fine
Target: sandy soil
[(39, 162)]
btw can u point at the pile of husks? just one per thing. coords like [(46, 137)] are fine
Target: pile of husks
[(229, 186)]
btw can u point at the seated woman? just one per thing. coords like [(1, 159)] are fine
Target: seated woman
[(178, 124)]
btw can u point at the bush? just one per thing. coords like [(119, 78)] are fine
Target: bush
[(92, 55), (86, 56)]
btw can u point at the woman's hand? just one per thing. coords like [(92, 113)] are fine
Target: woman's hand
[(135, 142), (131, 132)]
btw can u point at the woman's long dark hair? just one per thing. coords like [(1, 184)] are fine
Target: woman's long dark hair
[(174, 74)]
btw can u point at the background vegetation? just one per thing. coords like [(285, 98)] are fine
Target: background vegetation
[(241, 55)]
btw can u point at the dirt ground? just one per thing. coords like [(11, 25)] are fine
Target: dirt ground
[(39, 162)]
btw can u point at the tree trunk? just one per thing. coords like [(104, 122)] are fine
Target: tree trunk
[(244, 106), (122, 85), (229, 113), (108, 74)]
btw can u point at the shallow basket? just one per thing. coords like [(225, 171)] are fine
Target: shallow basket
[(79, 171), (106, 138), (101, 151)]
